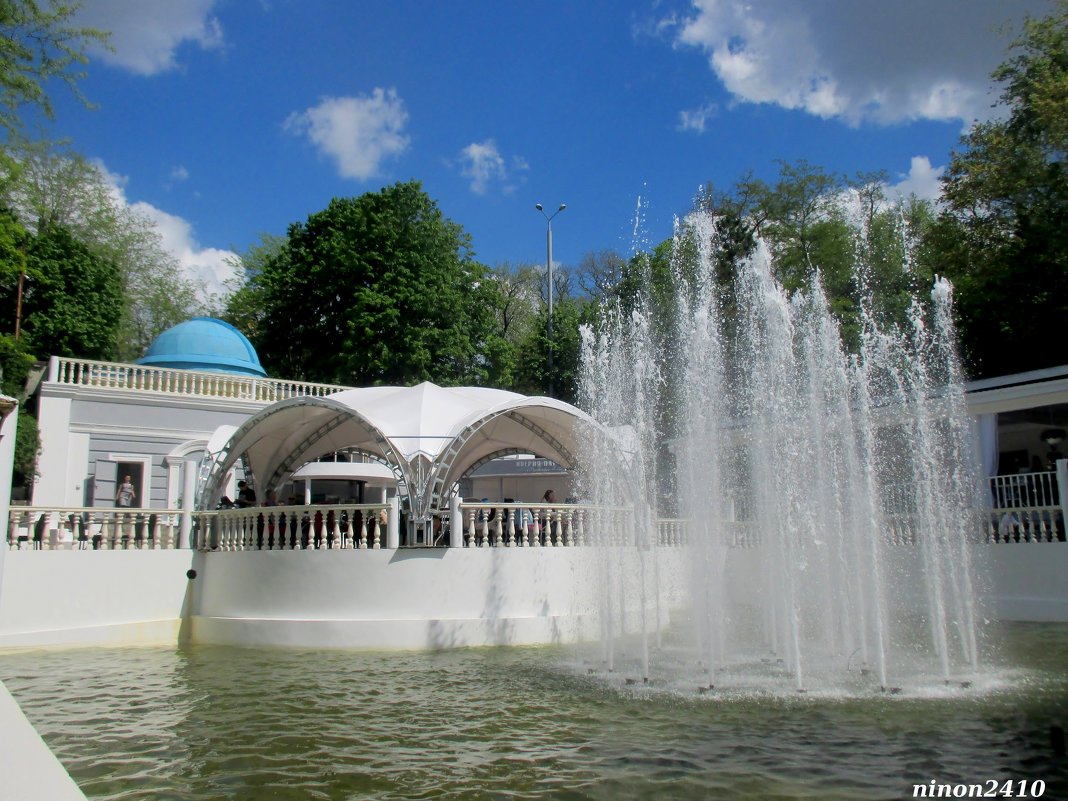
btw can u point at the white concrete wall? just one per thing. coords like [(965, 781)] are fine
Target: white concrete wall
[(53, 461), (432, 598), (407, 598), (1026, 581), (29, 771), (93, 597)]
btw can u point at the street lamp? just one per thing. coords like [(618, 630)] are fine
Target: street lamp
[(549, 263)]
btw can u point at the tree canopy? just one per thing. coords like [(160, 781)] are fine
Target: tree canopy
[(48, 187), (38, 43), (375, 289), (1003, 237)]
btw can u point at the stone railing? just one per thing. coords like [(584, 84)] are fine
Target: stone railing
[(490, 525), (87, 528), (671, 531), (141, 378), (1034, 524), (293, 528)]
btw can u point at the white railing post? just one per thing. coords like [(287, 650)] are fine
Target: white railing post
[(189, 488), (456, 523), (1062, 487), (393, 524)]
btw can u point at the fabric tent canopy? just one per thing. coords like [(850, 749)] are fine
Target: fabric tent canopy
[(429, 436)]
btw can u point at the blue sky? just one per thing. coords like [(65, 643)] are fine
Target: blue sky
[(222, 119)]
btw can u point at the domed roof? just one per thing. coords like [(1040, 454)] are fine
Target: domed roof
[(204, 343)]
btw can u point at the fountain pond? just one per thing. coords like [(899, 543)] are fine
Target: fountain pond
[(209, 722)]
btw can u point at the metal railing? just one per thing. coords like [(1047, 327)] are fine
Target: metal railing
[(1027, 507)]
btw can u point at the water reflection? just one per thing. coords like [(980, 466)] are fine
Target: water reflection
[(209, 722)]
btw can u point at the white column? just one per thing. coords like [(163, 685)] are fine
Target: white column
[(189, 490), (393, 526), (456, 523), (9, 409), (1062, 487), (174, 479), (307, 492), (53, 420)]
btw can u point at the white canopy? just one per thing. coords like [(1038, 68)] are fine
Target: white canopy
[(429, 436)]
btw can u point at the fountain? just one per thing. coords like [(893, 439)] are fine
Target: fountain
[(829, 493)]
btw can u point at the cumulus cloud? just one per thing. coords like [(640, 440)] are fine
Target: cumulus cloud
[(357, 133), (859, 62), (208, 267), (146, 34), (922, 180), (483, 163), (695, 119)]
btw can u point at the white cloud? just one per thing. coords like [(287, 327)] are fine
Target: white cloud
[(146, 34), (695, 119), (884, 62), (483, 163), (208, 267), (922, 181), (357, 133)]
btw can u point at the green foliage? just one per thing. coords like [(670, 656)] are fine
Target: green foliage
[(1003, 238), (48, 186), (532, 375), (72, 303), (27, 446), (245, 305), (16, 359), (38, 44), (376, 289)]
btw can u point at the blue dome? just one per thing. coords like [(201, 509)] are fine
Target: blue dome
[(204, 343)]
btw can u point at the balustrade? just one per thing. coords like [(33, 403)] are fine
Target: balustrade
[(89, 528), (293, 528), (142, 378), (483, 525), (520, 525)]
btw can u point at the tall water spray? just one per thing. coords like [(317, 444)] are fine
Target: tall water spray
[(829, 494)]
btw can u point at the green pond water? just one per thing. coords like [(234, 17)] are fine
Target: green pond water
[(207, 722)]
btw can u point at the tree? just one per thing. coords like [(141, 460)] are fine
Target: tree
[(72, 304), (38, 44), (245, 304), (48, 186), (1003, 237), (378, 289), (532, 376), (598, 273)]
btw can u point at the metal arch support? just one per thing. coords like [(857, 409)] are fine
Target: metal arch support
[(490, 458), (444, 463), (544, 436), (390, 459)]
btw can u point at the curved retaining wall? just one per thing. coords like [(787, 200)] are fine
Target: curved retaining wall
[(421, 598)]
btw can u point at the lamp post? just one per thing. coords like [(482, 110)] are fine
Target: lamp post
[(549, 264)]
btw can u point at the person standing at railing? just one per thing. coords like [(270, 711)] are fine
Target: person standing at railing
[(126, 494)]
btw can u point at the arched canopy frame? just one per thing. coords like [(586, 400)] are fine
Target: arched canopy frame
[(428, 436)]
